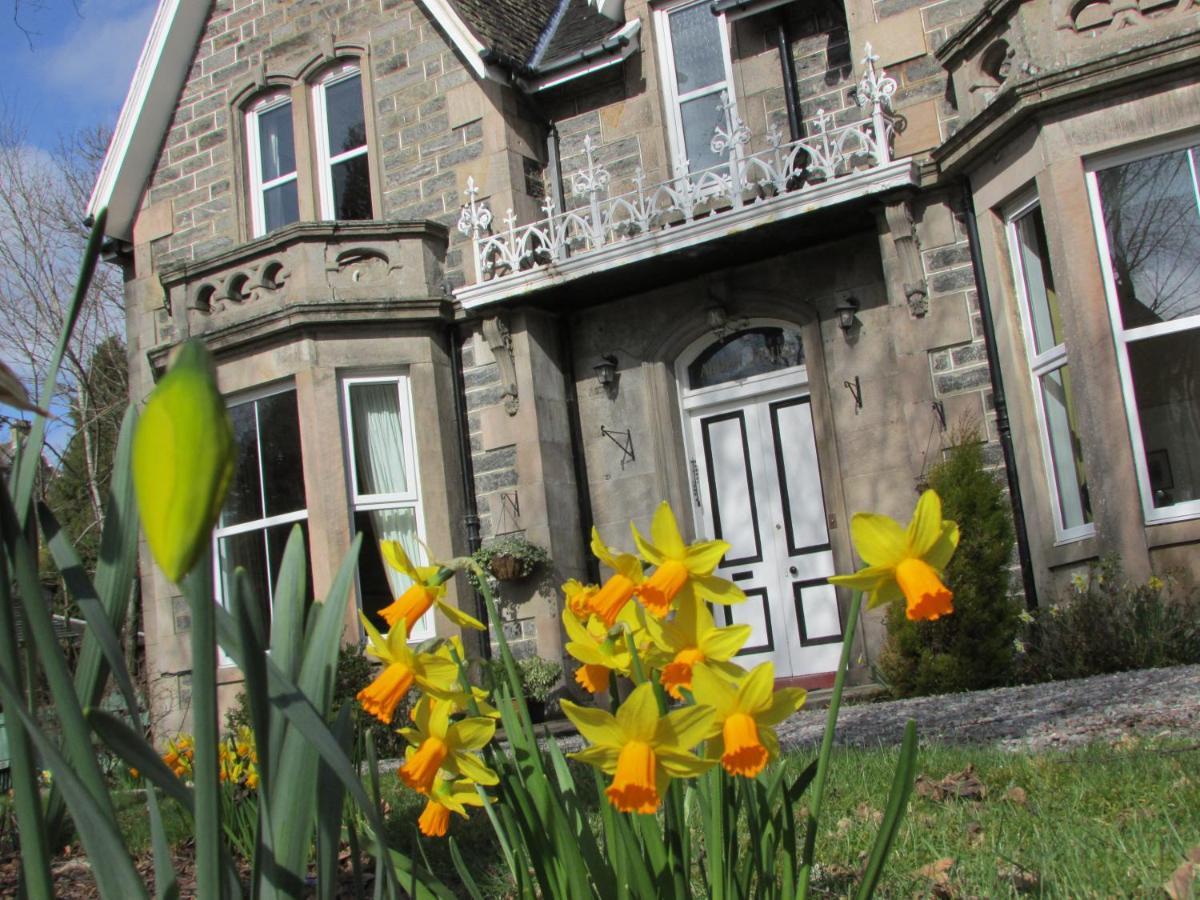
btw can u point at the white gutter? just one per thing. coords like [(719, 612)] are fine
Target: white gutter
[(627, 39), (160, 75)]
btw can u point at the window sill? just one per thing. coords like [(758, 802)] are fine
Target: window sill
[(1072, 552), (1178, 531)]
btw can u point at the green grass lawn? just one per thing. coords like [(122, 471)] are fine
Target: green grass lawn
[(1106, 820)]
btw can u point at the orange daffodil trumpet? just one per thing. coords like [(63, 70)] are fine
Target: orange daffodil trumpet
[(905, 563), (599, 651), (446, 797), (441, 745), (428, 587), (745, 713), (682, 570), (402, 669), (615, 593), (692, 638), (641, 748)]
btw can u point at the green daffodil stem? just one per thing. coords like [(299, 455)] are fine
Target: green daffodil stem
[(506, 657), (814, 804), (197, 585)]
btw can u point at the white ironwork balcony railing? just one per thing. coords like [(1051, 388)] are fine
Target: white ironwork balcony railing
[(744, 180)]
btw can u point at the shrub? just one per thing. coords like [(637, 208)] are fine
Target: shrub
[(1105, 623), (538, 677), (972, 649)]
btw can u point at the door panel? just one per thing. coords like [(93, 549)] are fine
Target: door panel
[(762, 494)]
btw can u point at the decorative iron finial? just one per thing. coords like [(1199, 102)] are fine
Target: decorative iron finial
[(475, 217)]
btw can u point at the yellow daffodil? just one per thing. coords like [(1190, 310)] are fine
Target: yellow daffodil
[(446, 797), (627, 577), (683, 570), (600, 651), (904, 563), (745, 714), (691, 638), (578, 598), (427, 589), (439, 744), (641, 748), (402, 669)]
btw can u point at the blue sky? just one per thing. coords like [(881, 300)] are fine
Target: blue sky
[(73, 67)]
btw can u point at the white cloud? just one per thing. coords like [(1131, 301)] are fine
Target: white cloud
[(94, 63)]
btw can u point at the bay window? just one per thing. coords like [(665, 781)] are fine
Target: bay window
[(274, 191), (1041, 317), (383, 474), (266, 498), (337, 184), (1146, 209)]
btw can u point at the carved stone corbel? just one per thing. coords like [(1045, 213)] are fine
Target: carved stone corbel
[(908, 250), (496, 333)]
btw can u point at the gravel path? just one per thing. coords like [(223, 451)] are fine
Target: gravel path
[(1032, 717)]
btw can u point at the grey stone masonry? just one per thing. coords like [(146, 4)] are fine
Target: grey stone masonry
[(410, 67)]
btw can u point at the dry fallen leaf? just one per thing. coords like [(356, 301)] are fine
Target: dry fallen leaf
[(868, 813), (974, 833), (938, 873), (1182, 883), (1024, 881), (1017, 795), (962, 785), (843, 827)]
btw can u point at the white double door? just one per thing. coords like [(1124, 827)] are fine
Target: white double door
[(756, 483)]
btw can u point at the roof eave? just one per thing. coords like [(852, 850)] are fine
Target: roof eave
[(614, 49), (468, 44), (146, 115)]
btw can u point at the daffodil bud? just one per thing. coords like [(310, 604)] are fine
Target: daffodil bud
[(183, 458)]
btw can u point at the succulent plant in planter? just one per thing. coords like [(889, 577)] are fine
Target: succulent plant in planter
[(538, 678), (511, 557)]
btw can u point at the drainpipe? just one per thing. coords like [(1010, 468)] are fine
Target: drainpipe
[(1003, 426), (554, 166), (788, 63), (455, 338), (582, 497)]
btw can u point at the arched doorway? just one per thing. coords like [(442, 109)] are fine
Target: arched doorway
[(756, 483)]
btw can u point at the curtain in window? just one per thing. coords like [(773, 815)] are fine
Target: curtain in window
[(379, 466)]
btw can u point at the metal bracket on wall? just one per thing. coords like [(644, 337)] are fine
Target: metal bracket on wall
[(624, 440), (939, 410), (499, 340), (510, 509), (855, 389)]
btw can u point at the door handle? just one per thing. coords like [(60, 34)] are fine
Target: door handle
[(793, 571)]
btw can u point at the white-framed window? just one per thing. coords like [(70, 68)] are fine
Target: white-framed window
[(266, 498), (271, 145), (343, 171), (696, 66), (384, 484), (1058, 424), (1146, 211)]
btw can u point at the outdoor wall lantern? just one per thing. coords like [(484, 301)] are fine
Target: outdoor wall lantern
[(846, 310), (606, 370)]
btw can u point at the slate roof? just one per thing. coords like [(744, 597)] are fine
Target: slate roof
[(532, 33), (580, 28)]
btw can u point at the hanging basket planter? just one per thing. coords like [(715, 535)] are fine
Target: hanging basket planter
[(506, 567)]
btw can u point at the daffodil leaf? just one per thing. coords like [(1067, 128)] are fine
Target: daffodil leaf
[(926, 525), (879, 540), (596, 725)]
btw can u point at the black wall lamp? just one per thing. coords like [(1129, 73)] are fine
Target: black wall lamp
[(846, 310), (606, 370)]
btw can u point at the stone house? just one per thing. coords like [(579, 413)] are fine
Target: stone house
[(471, 268)]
